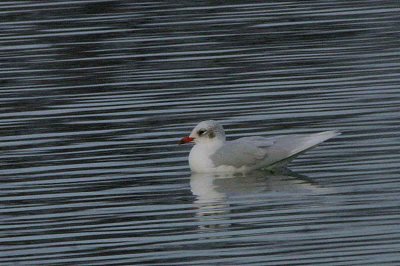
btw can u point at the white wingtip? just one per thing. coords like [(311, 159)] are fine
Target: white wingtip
[(328, 134), (315, 139)]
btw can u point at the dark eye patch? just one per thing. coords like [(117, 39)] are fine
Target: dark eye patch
[(211, 134), (201, 132)]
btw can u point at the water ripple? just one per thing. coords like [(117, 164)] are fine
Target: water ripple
[(96, 94)]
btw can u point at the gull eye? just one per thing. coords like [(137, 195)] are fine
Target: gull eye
[(201, 132)]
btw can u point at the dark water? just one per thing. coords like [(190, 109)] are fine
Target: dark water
[(95, 94)]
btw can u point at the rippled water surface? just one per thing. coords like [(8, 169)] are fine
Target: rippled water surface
[(95, 95)]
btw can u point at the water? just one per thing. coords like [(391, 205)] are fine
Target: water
[(96, 94)]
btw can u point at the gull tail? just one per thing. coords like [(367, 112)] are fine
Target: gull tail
[(307, 142), (293, 146)]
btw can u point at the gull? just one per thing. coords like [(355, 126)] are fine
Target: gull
[(213, 153)]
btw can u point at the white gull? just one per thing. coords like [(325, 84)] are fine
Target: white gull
[(212, 153)]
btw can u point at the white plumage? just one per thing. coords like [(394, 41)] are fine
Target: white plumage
[(212, 153)]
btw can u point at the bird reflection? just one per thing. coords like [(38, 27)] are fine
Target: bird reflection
[(217, 193)]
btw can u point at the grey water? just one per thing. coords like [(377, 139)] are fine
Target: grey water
[(95, 95)]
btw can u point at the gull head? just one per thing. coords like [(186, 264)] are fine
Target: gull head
[(207, 132)]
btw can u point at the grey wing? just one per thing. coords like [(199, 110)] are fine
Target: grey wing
[(248, 151), (256, 152), (286, 148)]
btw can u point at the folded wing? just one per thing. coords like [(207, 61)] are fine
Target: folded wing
[(259, 152)]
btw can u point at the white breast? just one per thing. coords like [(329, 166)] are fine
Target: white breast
[(199, 159)]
